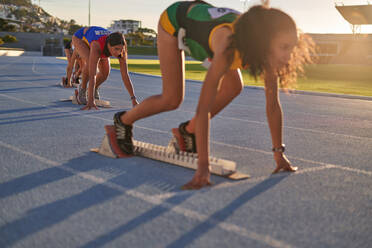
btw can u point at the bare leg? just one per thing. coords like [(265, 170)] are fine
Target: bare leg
[(78, 66), (230, 87), (70, 66), (104, 71), (173, 76), (83, 50)]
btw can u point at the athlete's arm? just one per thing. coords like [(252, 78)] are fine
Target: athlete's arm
[(219, 66), (70, 68), (275, 120), (94, 56), (125, 76), (68, 54)]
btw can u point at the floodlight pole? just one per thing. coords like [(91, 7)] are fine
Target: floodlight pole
[(245, 2), (89, 15)]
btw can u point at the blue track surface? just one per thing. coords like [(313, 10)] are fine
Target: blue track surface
[(55, 193)]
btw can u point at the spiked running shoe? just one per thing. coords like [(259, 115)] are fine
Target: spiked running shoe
[(96, 94), (77, 80), (123, 134), (64, 81), (186, 141), (82, 96)]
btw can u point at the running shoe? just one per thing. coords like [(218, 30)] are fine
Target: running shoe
[(64, 81), (96, 93), (185, 141), (82, 96), (77, 80), (123, 134)]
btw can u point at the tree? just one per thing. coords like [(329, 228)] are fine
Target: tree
[(147, 31), (137, 38), (18, 2), (73, 28), (20, 13), (5, 26), (9, 38)]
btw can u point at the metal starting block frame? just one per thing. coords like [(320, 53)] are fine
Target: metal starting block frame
[(220, 167)]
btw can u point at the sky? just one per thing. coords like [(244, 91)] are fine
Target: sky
[(311, 16)]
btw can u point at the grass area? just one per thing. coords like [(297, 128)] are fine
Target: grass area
[(142, 50), (12, 49), (343, 79)]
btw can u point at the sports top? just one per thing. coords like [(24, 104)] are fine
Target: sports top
[(94, 33), (199, 24)]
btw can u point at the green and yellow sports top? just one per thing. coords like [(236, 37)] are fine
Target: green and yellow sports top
[(199, 24)]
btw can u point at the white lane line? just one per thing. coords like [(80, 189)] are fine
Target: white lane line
[(259, 122), (85, 114), (155, 200), (34, 67), (224, 144), (14, 61), (364, 172), (238, 119), (53, 163), (335, 166), (214, 142), (250, 106), (263, 178), (358, 171), (297, 128)]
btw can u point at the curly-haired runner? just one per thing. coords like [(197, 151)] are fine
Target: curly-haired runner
[(263, 40)]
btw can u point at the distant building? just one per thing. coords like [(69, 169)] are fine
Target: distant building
[(125, 26), (343, 48)]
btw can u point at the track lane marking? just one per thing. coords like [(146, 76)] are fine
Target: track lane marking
[(155, 200)]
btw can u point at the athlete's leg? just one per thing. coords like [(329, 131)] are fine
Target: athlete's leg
[(172, 70), (230, 87), (78, 68), (70, 67), (83, 51), (103, 71)]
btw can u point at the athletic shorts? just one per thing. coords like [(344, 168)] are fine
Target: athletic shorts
[(92, 33), (200, 22), (168, 19), (80, 33)]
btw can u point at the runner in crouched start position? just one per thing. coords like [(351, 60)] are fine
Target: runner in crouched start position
[(263, 40), (95, 45), (74, 64)]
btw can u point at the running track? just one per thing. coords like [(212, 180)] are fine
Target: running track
[(55, 193)]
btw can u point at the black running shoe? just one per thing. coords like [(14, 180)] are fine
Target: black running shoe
[(96, 94), (186, 141), (82, 96), (123, 134)]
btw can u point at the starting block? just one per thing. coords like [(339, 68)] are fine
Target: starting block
[(74, 100), (220, 167)]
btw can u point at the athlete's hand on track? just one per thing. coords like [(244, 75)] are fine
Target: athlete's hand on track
[(90, 106), (282, 163), (200, 179), (134, 102)]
